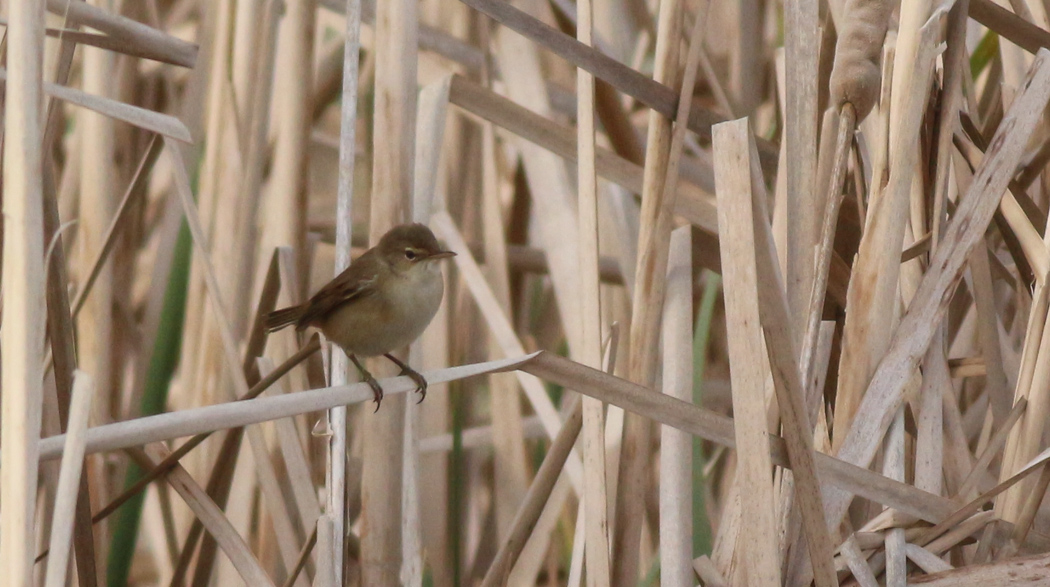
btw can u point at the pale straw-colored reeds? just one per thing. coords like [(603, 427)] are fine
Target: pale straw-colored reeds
[(746, 293)]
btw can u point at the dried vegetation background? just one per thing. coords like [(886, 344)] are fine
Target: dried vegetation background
[(781, 268)]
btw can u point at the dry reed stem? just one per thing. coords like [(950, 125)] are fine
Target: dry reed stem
[(108, 43), (229, 415), (952, 99), (97, 336), (22, 335), (1027, 437), (430, 38), (1020, 223), (707, 572), (325, 566), (392, 185), (248, 183), (925, 560), (929, 442), (787, 377), (430, 128), (335, 471), (222, 476), (477, 437), (510, 471), (217, 105), (676, 450), (1033, 340), (69, 479), (996, 383), (616, 391), (825, 251), (974, 506), (434, 343), (801, 125), (893, 468), (749, 364), (137, 187), (139, 38), (595, 508), (192, 443), (146, 119), (288, 177)]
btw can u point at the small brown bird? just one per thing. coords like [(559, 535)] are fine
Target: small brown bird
[(380, 303)]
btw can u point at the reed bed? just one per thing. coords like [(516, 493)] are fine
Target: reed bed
[(746, 293)]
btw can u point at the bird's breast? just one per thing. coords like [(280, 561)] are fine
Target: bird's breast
[(379, 324)]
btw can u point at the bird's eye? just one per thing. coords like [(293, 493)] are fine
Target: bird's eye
[(410, 254)]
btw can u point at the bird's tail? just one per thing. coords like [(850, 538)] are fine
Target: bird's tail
[(278, 319)]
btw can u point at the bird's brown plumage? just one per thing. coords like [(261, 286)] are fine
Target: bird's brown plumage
[(358, 280)]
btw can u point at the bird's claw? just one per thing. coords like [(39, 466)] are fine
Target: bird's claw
[(377, 390), (421, 382)]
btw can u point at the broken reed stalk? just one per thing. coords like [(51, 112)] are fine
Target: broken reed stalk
[(783, 359), (832, 205), (749, 371)]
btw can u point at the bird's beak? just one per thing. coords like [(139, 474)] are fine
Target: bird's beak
[(441, 255)]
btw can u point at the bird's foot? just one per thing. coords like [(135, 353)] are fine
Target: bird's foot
[(377, 390), (421, 382)]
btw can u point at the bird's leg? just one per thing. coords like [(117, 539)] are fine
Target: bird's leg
[(371, 381), (421, 382)]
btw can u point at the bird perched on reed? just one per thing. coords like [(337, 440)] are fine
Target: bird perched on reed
[(380, 303)]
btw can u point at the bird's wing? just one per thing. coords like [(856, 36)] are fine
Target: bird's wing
[(352, 284)]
